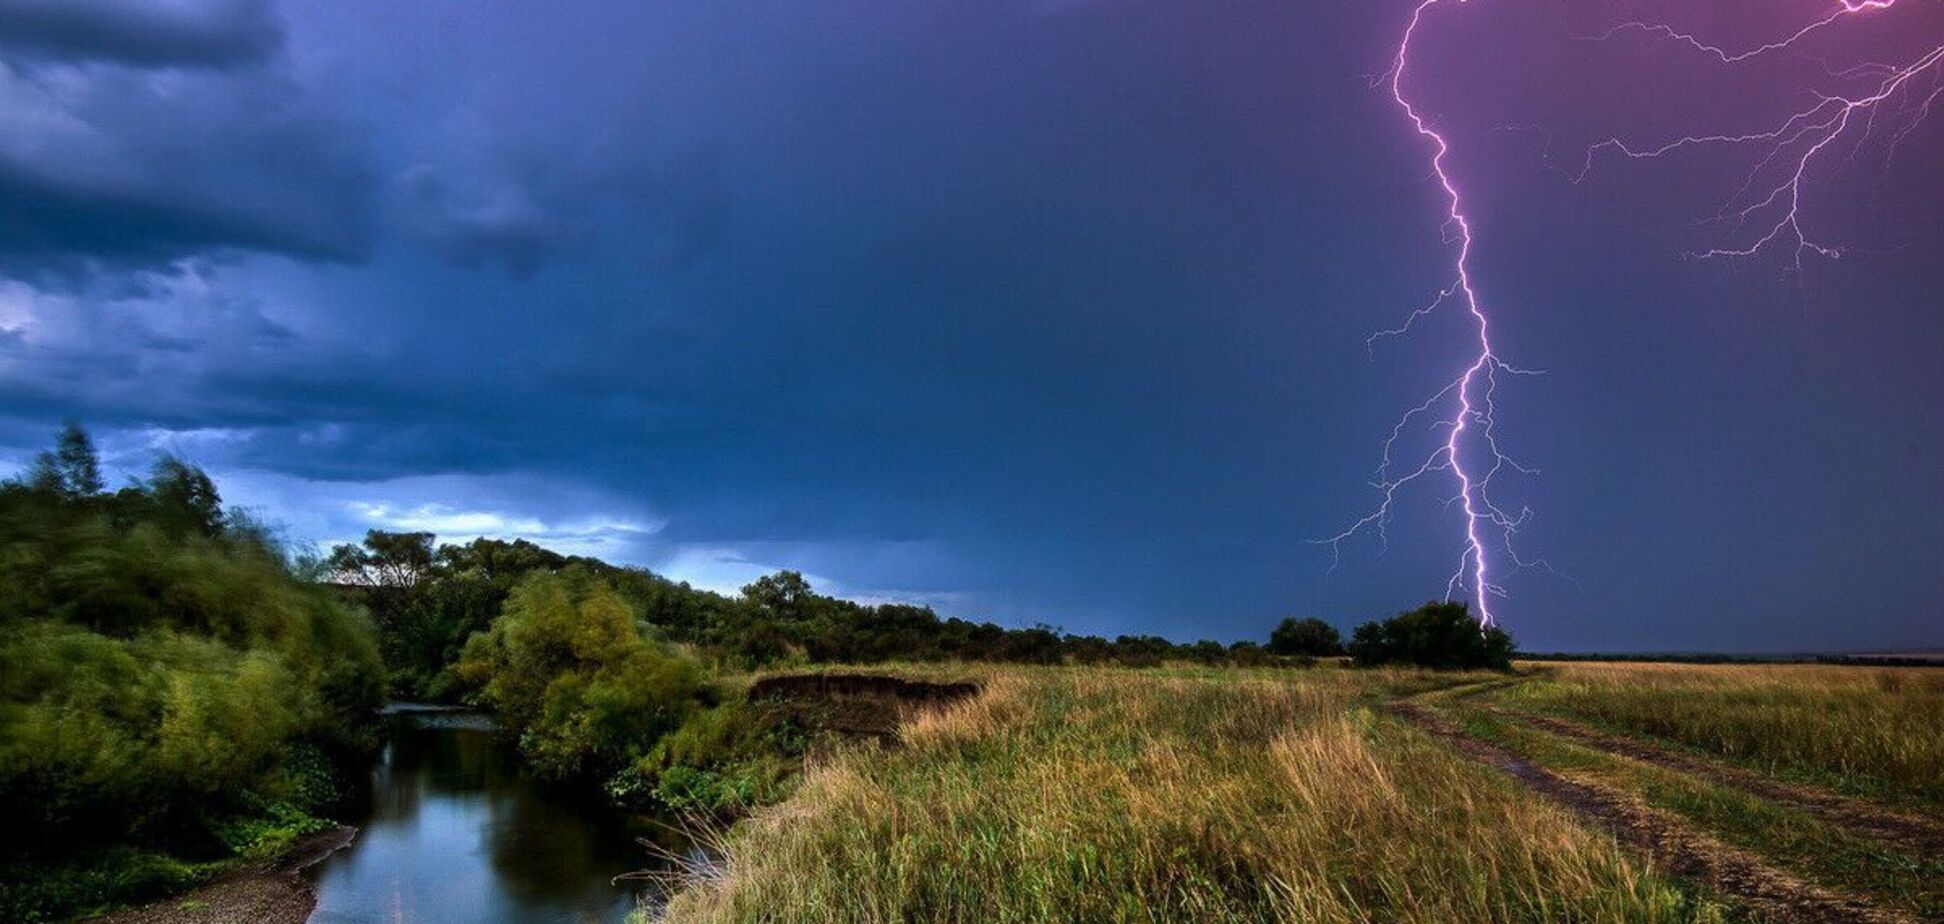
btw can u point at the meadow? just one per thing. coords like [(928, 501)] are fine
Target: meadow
[(1333, 794)]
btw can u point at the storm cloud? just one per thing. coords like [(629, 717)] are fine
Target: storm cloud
[(179, 33), (1038, 312)]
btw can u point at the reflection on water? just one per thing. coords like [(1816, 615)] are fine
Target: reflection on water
[(457, 833)]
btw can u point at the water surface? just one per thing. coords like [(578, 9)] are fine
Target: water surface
[(456, 832)]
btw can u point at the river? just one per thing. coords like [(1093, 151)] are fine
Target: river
[(455, 831)]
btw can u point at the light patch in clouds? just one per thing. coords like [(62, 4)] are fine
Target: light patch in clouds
[(597, 536), (445, 521), (718, 568), (455, 508)]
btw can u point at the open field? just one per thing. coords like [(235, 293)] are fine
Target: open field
[(1563, 793)]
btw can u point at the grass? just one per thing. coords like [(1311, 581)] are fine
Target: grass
[(1072, 794), (1870, 732)]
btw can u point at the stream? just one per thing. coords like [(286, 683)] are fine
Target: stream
[(455, 831)]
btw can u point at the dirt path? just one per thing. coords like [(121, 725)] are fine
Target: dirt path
[(273, 892), (1915, 835), (1671, 843)]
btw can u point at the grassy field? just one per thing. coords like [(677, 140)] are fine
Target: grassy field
[(1076, 794), (1874, 732)]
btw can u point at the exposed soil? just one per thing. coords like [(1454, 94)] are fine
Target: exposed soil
[(272, 892), (1670, 843), (1913, 834), (855, 705), (877, 686)]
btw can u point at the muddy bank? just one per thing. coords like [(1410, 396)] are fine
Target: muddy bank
[(879, 686), (853, 705), (268, 892)]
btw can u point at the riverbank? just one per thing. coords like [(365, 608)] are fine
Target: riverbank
[(271, 891)]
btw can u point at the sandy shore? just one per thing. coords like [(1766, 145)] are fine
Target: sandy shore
[(272, 892)]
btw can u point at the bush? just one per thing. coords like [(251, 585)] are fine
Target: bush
[(1438, 635)]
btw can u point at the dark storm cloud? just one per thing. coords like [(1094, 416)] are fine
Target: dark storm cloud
[(56, 225), (500, 205), (118, 168), (1049, 310), (201, 33), (504, 226)]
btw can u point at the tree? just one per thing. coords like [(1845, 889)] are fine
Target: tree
[(1310, 638), (782, 593), (185, 498), (1439, 634), (385, 559), (566, 666), (71, 468)]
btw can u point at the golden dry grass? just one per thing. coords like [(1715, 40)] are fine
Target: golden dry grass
[(1872, 731), (1208, 796)]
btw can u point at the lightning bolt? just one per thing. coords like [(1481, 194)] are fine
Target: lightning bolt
[(1769, 200), (1470, 452)]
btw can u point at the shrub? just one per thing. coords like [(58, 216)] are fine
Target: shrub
[(1439, 634)]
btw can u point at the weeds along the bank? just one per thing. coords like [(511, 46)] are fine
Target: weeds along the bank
[(1114, 795), (1869, 731)]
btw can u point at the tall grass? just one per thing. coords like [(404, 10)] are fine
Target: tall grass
[(1874, 731), (1110, 795)]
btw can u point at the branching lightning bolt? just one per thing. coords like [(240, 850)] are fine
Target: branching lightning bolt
[(1469, 427), (1769, 200)]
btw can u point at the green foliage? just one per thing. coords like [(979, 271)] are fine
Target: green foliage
[(723, 760), (32, 893), (163, 677), (1310, 638), (1439, 634), (567, 666)]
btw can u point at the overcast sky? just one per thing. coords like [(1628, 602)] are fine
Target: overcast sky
[(1033, 310)]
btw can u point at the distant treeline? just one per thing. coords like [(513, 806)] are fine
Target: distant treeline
[(428, 600)]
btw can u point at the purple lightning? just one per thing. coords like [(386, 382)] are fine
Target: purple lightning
[(1774, 205), (1789, 149), (1470, 425)]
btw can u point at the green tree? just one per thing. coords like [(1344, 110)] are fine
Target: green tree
[(567, 667), (384, 559), (1311, 638), (184, 498), (1439, 634), (71, 468)]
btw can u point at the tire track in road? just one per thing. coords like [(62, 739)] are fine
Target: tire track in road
[(1916, 835), (1670, 843)]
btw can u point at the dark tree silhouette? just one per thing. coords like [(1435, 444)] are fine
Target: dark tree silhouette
[(1311, 638)]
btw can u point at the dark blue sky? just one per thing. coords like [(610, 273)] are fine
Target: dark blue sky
[(1042, 310)]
